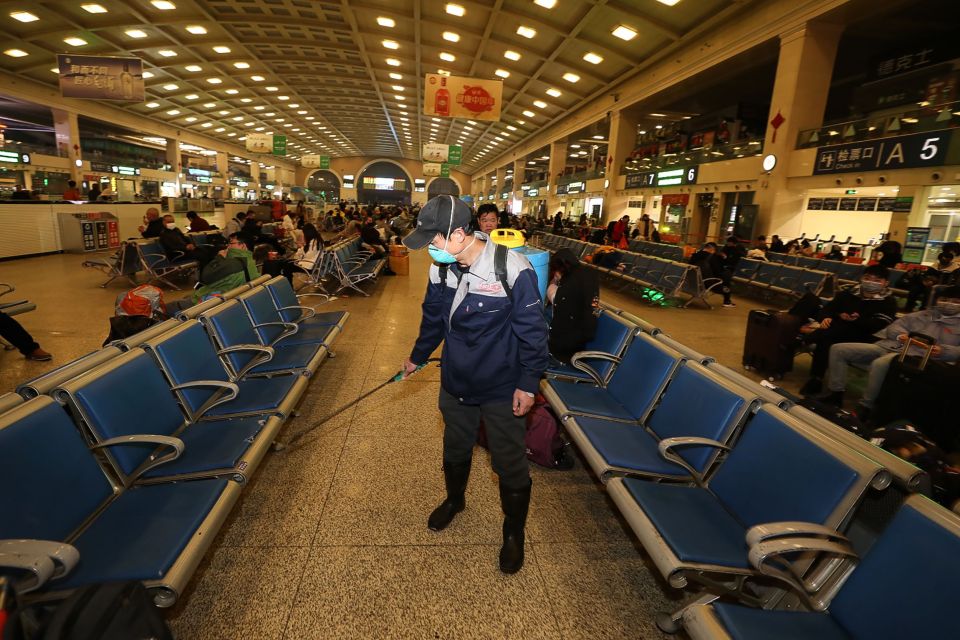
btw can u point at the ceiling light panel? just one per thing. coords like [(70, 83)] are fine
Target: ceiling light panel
[(447, 57), (455, 9), (553, 93), (526, 32), (571, 77), (74, 41), (624, 33), (451, 36), (546, 4), (511, 55), (24, 16), (592, 57), (196, 29), (136, 33), (163, 5), (93, 8), (384, 21)]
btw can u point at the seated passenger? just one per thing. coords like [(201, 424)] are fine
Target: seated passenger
[(942, 323), (835, 253), (235, 224), (231, 267), (196, 222), (177, 245), (574, 293), (889, 254), (776, 244), (152, 224), (852, 316), (487, 217), (14, 333), (711, 265), (372, 241), (806, 249)]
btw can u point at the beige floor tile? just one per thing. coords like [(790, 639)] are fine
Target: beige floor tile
[(404, 409), (419, 592)]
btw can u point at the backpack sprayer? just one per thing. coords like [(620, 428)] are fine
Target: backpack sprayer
[(280, 446)]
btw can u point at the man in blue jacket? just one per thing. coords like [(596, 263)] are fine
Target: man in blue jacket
[(483, 303)]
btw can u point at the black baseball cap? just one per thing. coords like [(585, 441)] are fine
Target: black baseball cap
[(441, 215)]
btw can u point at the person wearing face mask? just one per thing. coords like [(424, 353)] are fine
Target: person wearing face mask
[(483, 304), (852, 316), (178, 247), (941, 323)]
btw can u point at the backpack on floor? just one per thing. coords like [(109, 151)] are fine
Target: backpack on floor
[(136, 310), (545, 442)]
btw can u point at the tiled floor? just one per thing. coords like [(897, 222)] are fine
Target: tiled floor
[(330, 538)]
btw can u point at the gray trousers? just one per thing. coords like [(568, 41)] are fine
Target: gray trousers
[(847, 353), (505, 437)]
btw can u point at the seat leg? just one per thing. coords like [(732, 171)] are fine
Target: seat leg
[(670, 622)]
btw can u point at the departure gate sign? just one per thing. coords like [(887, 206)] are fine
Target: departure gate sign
[(899, 152), (458, 97)]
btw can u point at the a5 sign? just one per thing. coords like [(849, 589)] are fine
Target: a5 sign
[(884, 154)]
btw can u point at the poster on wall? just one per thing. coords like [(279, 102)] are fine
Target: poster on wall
[(460, 97), (101, 77)]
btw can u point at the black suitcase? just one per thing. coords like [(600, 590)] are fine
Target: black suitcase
[(771, 342), (844, 419), (921, 391)]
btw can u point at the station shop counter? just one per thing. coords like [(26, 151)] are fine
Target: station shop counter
[(34, 227)]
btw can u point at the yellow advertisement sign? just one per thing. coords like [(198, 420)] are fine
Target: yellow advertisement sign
[(459, 97)]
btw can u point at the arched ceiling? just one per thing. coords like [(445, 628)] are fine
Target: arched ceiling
[(344, 77)]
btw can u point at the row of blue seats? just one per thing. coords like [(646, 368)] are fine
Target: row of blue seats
[(740, 492), (352, 265), (845, 273), (123, 465), (673, 279), (780, 278), (657, 249)]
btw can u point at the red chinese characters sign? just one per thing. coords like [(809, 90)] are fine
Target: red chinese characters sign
[(457, 97)]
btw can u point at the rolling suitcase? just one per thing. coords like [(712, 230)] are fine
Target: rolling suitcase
[(921, 391), (770, 342)]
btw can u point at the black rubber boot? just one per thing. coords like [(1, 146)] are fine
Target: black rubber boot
[(813, 386), (515, 503), (455, 477), (832, 398)]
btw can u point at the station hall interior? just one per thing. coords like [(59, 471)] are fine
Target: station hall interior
[(827, 122)]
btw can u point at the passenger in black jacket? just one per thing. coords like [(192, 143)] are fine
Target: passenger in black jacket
[(852, 316), (575, 295), (713, 267)]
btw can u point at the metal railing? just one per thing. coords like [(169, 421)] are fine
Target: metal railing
[(592, 174), (729, 151), (923, 118)]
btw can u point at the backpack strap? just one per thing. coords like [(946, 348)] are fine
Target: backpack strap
[(500, 269), (444, 268)]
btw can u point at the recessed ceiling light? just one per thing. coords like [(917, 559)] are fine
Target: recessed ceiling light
[(136, 33), (658, 115), (503, 73), (450, 36), (384, 21), (257, 78), (598, 137), (242, 65), (223, 112), (152, 105), (397, 87), (196, 29), (401, 98), (393, 62), (546, 4), (571, 77), (24, 16), (669, 3), (214, 80), (190, 119), (173, 112), (193, 68), (390, 44), (540, 104), (163, 5), (170, 87), (396, 76), (283, 97), (74, 41), (209, 105), (237, 118), (147, 75), (293, 105), (167, 53), (447, 57), (526, 32), (511, 55), (271, 88), (192, 96), (592, 58), (443, 72), (221, 49), (455, 10), (529, 114), (93, 8), (232, 92), (511, 128), (302, 112), (553, 92), (624, 33)]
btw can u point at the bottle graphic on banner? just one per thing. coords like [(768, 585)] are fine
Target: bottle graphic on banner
[(126, 82), (442, 100)]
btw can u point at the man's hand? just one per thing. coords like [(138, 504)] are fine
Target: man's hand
[(522, 402), (190, 247), (825, 323), (935, 351), (408, 368), (849, 317), (902, 337)]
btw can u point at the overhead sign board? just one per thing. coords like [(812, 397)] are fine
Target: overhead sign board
[(665, 178), (575, 187), (279, 145), (459, 97), (899, 152), (434, 152), (15, 157), (101, 77), (315, 162), (259, 142), (436, 169)]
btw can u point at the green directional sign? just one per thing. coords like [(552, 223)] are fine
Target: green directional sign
[(454, 154), (279, 145), (324, 162), (444, 170)]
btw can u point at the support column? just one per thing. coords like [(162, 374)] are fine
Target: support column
[(67, 132), (173, 159), (623, 140), (501, 180), (556, 165), (255, 176), (519, 173), (804, 73), (223, 162)]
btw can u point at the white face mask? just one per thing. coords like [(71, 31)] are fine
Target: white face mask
[(171, 225)]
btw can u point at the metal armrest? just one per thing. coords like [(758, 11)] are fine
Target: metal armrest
[(265, 355), (773, 558), (770, 530), (230, 388), (6, 288), (709, 287), (306, 312), (168, 441), (576, 361), (666, 446), (290, 328), (44, 559)]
